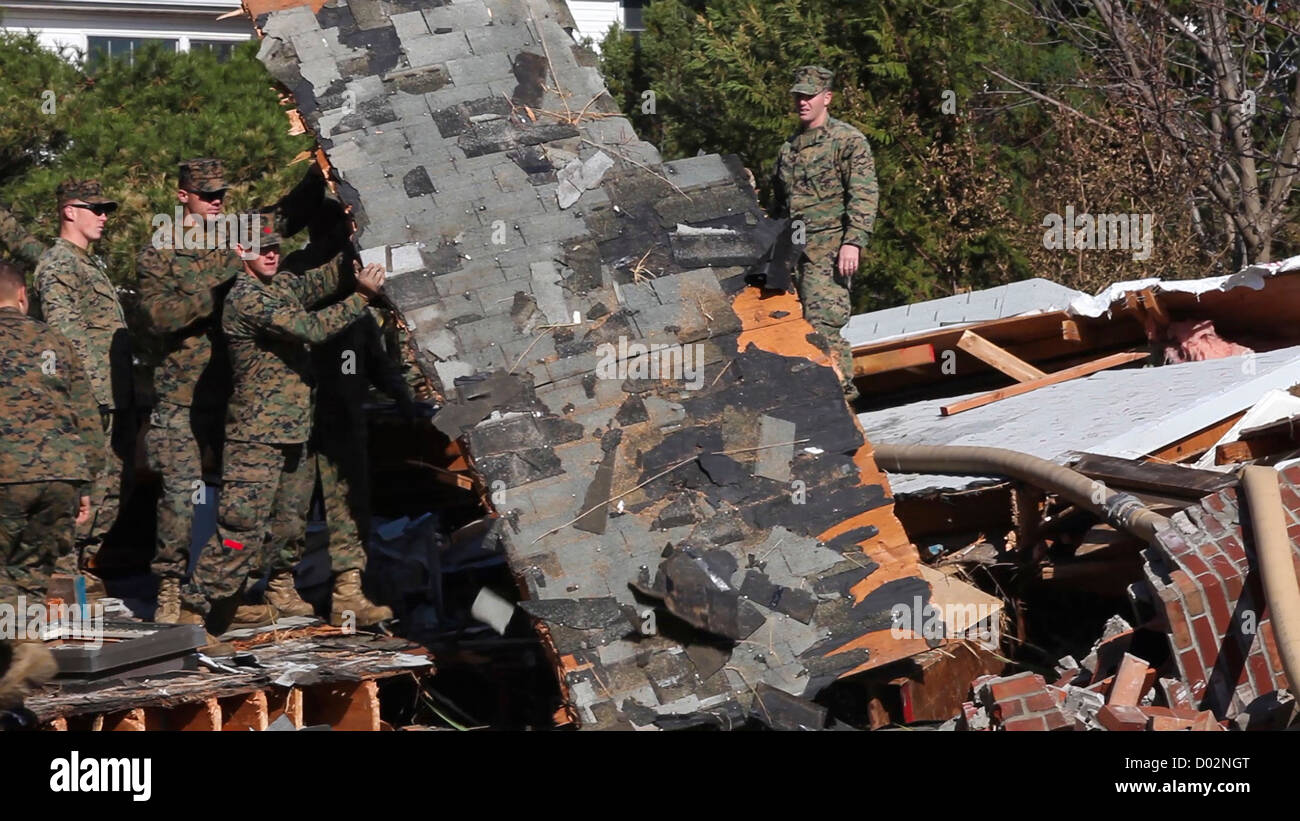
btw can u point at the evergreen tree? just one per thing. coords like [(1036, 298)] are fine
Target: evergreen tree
[(129, 125)]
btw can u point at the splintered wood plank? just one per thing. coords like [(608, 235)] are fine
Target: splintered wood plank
[(1000, 358), (867, 364), (1070, 330), (941, 680), (786, 334), (285, 702), (199, 716), (126, 721), (351, 706), (244, 712), (1173, 480), (1194, 444), (58, 725), (256, 8), (1114, 360)]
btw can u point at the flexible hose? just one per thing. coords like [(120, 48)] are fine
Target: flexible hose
[(1121, 510), (1273, 547)]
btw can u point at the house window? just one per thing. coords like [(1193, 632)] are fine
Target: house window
[(120, 48), (221, 48), (634, 14)]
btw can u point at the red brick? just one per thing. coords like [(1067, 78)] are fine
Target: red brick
[(1290, 499), (1018, 685), (1033, 723), (1214, 527), (1170, 712), (1191, 591), (1207, 640), (1223, 565), (1039, 702), (1220, 611), (1058, 720), (1121, 718), (1129, 680), (1234, 585), (1007, 708), (1231, 547), (1213, 503), (1193, 672), (1261, 680), (1179, 629), (1192, 562), (1206, 721), (1166, 723)]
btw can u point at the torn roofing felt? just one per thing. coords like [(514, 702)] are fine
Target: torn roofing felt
[(682, 538)]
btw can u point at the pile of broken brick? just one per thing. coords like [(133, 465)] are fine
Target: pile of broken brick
[(1112, 690)]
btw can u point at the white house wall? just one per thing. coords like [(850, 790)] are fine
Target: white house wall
[(69, 25)]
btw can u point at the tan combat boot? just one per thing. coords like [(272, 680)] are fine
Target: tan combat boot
[(169, 602), (348, 598), (212, 646), (254, 615), (283, 596)]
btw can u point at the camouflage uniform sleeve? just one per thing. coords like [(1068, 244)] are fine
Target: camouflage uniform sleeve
[(83, 404), (780, 192), (383, 372), (57, 286), (288, 319), (862, 193), (315, 286), (169, 305), (16, 238)]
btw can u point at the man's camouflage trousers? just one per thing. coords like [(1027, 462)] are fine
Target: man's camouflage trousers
[(37, 523), (175, 443), (341, 465), (110, 488), (262, 521), (824, 295)]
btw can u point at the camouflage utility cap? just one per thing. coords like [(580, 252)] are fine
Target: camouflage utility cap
[(811, 80), (264, 234), (204, 176), (88, 191)]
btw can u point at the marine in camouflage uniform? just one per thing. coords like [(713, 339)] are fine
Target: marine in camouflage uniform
[(21, 244), (268, 472), (826, 178), (51, 443), (77, 299), (181, 292)]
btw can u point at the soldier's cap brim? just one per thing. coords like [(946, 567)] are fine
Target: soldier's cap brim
[(210, 188), (807, 88), (101, 200)]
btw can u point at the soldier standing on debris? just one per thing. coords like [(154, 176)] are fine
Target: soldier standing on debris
[(181, 290), (51, 444), (268, 474), (79, 301), (344, 367), (825, 179)]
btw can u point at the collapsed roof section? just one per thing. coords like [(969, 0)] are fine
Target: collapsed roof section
[(691, 508)]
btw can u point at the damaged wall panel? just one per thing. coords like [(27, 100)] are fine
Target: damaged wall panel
[(689, 522)]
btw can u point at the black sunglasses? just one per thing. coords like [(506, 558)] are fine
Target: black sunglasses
[(210, 196), (98, 209)]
